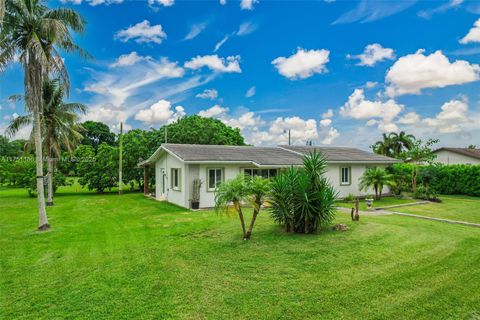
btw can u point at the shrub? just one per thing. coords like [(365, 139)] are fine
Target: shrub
[(302, 199)]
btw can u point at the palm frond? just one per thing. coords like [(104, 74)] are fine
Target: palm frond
[(17, 124)]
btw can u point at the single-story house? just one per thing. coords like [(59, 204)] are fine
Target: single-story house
[(457, 156), (177, 165)]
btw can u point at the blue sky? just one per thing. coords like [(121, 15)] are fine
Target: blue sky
[(334, 72)]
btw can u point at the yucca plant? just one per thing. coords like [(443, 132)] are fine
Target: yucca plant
[(302, 199)]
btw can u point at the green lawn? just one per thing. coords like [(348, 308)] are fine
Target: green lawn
[(461, 208), (383, 202), (126, 257)]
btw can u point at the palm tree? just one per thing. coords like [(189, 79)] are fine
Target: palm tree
[(34, 33), (376, 178), (60, 127), (258, 189), (234, 192), (383, 147), (400, 142)]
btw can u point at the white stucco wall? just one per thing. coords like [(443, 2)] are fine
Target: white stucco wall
[(207, 198), (448, 157)]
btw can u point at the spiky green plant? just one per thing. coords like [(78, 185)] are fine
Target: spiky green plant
[(302, 199)]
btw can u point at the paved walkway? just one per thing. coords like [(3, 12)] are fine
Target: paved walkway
[(385, 213)]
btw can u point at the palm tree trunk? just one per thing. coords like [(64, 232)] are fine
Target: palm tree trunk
[(254, 217), (50, 180), (414, 178), (33, 88), (2, 10), (242, 219)]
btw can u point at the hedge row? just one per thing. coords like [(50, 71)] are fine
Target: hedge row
[(443, 179)]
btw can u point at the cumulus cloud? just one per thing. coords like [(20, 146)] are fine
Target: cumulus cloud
[(473, 35), (453, 117), (213, 112), (251, 92), (409, 118), (330, 136), (108, 113), (215, 63), (328, 114), (358, 107), (414, 72), (160, 113), (128, 60), (303, 64), (372, 54), (211, 94), (142, 32), (371, 84), (195, 30), (247, 4)]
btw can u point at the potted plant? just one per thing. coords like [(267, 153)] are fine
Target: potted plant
[(196, 187), (369, 201)]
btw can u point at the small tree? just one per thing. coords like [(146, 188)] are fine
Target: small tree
[(420, 153), (376, 178), (234, 192), (258, 191)]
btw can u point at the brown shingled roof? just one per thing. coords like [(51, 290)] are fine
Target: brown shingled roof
[(474, 153)]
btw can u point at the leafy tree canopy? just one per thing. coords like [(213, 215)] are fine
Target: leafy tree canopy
[(198, 130), (13, 148), (97, 133)]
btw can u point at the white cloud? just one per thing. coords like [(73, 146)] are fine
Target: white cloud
[(328, 114), (251, 92), (325, 122), (246, 28), (357, 107), (223, 2), (473, 35), (371, 84), (373, 10), (128, 60), (142, 32), (160, 113), (118, 88), (414, 72), (372, 54), (303, 64), (195, 30), (213, 112), (165, 3), (330, 136), (409, 118), (453, 117), (211, 94), (92, 2), (247, 4), (301, 130), (451, 4), (107, 113), (215, 63), (220, 43)]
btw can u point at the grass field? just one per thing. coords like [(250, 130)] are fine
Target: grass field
[(461, 208), (126, 257)]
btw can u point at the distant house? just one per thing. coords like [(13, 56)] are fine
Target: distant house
[(177, 165), (457, 156)]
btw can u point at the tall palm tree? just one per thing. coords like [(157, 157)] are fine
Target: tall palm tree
[(60, 126), (376, 178), (34, 33), (401, 142), (383, 147)]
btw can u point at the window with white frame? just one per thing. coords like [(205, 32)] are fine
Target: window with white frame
[(215, 176), (264, 173), (176, 179), (345, 175)]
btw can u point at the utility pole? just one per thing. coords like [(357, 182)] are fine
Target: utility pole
[(120, 159), (289, 138)]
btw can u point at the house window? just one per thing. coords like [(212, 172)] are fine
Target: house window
[(264, 173), (176, 179), (345, 175), (215, 176)]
